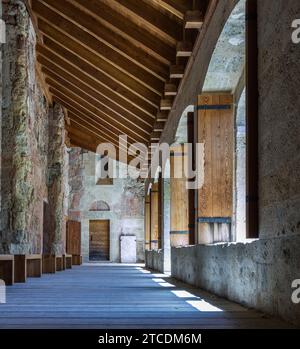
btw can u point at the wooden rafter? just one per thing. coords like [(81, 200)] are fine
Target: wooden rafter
[(106, 36), (146, 16), (114, 65)]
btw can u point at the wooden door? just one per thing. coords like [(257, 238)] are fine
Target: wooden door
[(99, 240), (215, 198), (179, 231), (154, 212), (73, 243), (216, 125)]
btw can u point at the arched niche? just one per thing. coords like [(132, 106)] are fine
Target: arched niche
[(99, 206)]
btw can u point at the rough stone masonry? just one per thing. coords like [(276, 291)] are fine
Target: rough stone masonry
[(31, 165)]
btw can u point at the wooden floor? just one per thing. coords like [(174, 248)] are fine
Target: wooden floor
[(118, 296)]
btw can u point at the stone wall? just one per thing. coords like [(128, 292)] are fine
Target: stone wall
[(279, 121), (239, 190), (26, 121), (24, 136), (125, 199), (259, 274), (154, 260)]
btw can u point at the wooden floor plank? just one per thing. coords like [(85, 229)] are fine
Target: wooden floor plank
[(106, 296)]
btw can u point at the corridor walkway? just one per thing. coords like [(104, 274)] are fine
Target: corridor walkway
[(118, 296)]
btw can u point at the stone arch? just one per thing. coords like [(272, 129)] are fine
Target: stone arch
[(181, 136), (228, 59), (100, 206), (226, 75)]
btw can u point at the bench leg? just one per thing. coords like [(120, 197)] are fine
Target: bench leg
[(68, 262), (34, 268), (77, 260), (20, 268), (7, 272), (49, 264), (59, 264)]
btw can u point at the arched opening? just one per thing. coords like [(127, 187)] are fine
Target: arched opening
[(221, 130), (99, 206)]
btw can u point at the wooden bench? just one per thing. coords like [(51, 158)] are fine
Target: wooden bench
[(54, 263), (49, 264), (76, 259), (60, 264), (68, 260), (27, 266), (7, 265)]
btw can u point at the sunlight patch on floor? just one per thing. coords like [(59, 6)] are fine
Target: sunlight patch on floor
[(184, 294), (201, 305)]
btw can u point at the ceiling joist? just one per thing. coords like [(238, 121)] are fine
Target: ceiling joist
[(114, 65)]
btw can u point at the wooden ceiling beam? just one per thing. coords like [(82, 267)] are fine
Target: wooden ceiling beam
[(86, 84), (92, 131), (128, 30), (116, 119), (84, 132), (159, 126), (82, 145), (96, 114), (175, 7), (145, 15), (58, 55), (162, 116), (83, 19), (78, 87), (83, 125), (103, 57), (184, 49), (77, 140), (170, 89), (87, 140), (177, 71), (193, 19), (71, 52), (166, 104)]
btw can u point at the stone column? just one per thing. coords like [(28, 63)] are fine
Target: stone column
[(147, 213), (54, 243), (155, 233), (166, 246), (16, 176)]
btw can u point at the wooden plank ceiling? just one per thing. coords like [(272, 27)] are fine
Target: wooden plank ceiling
[(115, 65)]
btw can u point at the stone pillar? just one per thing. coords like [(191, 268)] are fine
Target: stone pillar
[(154, 235), (54, 243), (16, 176), (147, 222), (239, 214), (166, 246)]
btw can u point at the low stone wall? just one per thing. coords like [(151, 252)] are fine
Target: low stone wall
[(257, 274), (155, 260)]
